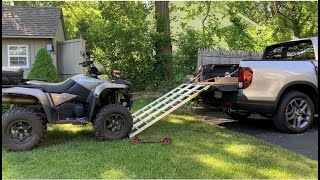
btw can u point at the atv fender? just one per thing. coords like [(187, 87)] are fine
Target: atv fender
[(40, 95), (108, 85)]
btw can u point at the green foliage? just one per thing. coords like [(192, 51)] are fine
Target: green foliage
[(192, 38), (185, 58), (257, 24), (5, 108), (120, 35), (42, 68), (126, 42), (123, 35)]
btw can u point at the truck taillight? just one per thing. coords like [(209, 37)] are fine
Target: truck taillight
[(244, 77)]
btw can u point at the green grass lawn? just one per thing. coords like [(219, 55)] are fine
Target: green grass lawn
[(199, 150)]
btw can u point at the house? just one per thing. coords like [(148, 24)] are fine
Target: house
[(26, 29)]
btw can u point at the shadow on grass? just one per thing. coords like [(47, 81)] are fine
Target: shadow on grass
[(61, 134), (199, 150)]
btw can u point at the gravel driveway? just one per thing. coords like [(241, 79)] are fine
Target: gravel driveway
[(263, 129)]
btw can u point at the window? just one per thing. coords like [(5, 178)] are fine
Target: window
[(274, 53), (299, 50), (18, 56)]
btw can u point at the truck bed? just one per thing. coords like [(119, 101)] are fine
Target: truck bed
[(224, 84)]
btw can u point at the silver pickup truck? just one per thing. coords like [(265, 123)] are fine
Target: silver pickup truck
[(282, 85)]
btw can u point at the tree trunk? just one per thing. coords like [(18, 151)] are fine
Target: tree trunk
[(163, 44), (296, 28)]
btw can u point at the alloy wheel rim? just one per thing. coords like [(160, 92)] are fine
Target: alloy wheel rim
[(20, 131), (298, 113), (114, 123)]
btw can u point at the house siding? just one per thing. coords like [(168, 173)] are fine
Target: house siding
[(33, 47), (59, 37)]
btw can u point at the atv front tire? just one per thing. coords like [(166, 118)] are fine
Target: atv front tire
[(113, 122), (22, 129)]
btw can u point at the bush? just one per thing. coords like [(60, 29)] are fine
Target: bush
[(43, 68), (5, 108), (185, 58)]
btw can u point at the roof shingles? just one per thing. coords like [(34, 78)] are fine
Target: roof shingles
[(30, 21)]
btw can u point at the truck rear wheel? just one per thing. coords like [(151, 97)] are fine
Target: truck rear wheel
[(295, 113), (22, 129), (113, 122)]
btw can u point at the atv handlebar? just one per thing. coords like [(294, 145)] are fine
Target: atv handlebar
[(86, 63)]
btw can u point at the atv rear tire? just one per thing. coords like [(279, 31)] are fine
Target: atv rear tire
[(22, 129), (113, 122), (295, 113)]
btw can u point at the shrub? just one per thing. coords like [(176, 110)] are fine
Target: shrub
[(43, 68), (5, 108)]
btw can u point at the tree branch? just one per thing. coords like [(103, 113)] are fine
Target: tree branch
[(208, 10), (311, 28), (285, 16), (71, 9), (299, 10), (277, 6)]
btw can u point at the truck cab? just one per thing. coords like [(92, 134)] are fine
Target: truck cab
[(283, 84)]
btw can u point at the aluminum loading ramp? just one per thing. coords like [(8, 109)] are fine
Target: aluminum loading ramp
[(164, 105)]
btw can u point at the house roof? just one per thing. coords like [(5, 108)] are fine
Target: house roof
[(26, 21)]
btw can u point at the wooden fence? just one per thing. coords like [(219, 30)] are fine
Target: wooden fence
[(209, 56), (69, 58)]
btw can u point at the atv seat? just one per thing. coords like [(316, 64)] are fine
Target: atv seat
[(54, 87)]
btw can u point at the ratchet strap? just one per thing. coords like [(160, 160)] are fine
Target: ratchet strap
[(164, 140)]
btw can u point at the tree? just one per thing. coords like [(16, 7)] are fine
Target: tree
[(284, 19), (124, 42), (301, 15), (163, 45), (206, 34), (42, 68), (120, 34)]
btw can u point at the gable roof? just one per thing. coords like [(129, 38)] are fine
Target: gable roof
[(26, 21)]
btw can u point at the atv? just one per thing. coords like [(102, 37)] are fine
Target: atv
[(81, 99)]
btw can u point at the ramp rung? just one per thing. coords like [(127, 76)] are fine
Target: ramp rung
[(154, 102), (164, 105), (160, 110)]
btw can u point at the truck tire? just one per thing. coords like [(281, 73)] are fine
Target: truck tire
[(22, 129), (295, 113), (113, 122), (236, 115)]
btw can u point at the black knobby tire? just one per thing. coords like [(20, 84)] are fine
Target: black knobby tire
[(282, 118), (113, 122), (237, 115), (22, 129)]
